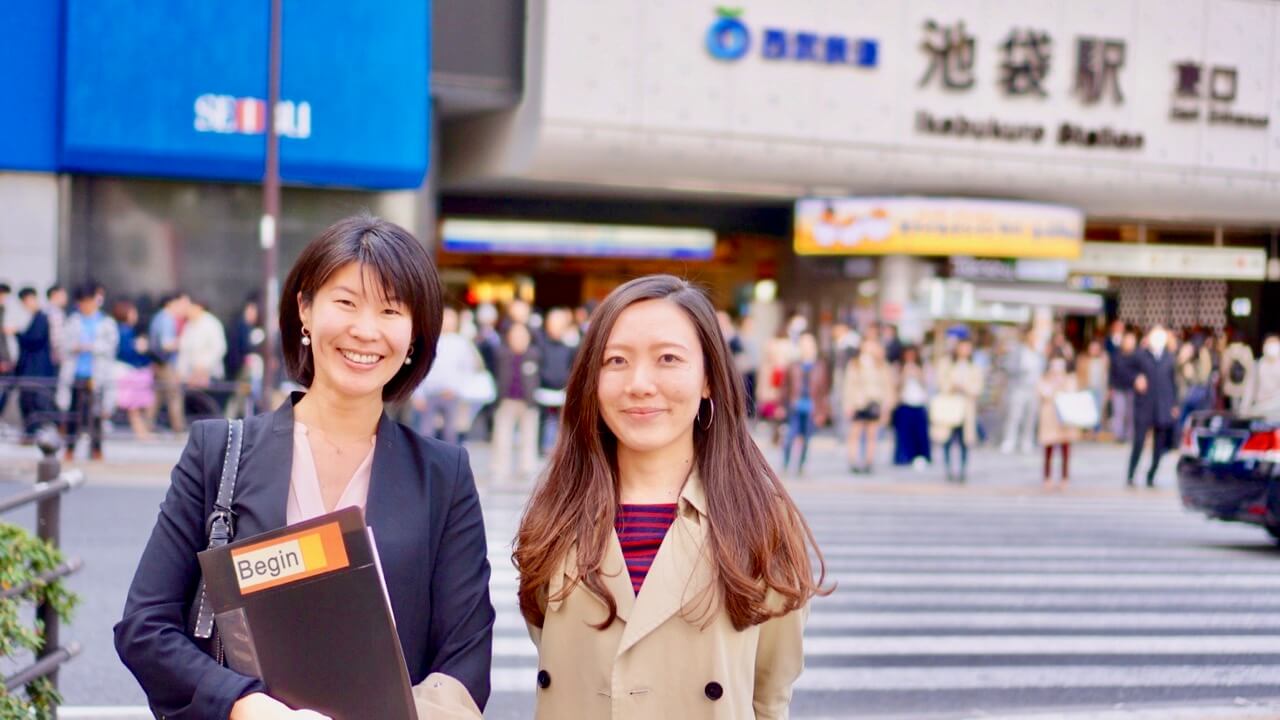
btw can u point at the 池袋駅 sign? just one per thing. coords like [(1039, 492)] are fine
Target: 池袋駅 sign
[(937, 227)]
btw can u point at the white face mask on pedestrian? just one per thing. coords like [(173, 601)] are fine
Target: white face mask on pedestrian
[(1159, 341)]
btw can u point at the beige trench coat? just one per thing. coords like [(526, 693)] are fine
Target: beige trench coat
[(1051, 430), (654, 661), (964, 379)]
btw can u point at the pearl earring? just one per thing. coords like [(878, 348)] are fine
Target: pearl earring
[(306, 337)]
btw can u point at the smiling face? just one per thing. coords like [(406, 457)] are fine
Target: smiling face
[(652, 378), (359, 339)]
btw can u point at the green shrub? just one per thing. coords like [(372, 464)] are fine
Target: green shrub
[(23, 559)]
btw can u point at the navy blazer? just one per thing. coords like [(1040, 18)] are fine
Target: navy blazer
[(425, 516), (1155, 406)]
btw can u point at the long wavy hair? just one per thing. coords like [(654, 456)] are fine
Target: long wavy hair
[(757, 538)]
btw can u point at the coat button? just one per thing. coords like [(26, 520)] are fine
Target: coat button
[(713, 690), (544, 679)]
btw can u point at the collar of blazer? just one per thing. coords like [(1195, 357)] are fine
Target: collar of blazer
[(680, 579)]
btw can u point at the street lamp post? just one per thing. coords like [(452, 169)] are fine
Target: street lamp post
[(271, 210)]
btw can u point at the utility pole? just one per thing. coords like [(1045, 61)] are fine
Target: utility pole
[(271, 213)]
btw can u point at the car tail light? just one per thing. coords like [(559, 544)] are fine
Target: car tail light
[(1263, 445), (1189, 446)]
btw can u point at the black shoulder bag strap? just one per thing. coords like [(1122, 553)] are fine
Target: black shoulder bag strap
[(221, 529)]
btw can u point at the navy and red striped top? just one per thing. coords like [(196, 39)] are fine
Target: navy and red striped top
[(641, 529)]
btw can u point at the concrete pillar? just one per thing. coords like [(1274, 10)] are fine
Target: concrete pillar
[(29, 233)]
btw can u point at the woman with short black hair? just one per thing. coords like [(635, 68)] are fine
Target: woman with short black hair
[(360, 313)]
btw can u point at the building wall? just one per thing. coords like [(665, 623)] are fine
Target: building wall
[(629, 95), (29, 232)]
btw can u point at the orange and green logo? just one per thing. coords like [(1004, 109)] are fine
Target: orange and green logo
[(287, 559)]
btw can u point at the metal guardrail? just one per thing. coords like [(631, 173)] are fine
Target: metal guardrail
[(51, 483), (201, 402)]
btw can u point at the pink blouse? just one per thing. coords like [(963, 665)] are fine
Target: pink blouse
[(305, 500)]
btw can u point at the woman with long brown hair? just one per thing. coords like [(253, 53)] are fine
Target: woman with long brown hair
[(664, 570)]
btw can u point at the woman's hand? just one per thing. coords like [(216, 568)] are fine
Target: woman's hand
[(260, 706)]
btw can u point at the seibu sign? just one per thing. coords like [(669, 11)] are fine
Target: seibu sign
[(248, 116)]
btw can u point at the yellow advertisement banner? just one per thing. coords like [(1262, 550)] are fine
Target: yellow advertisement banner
[(937, 226)]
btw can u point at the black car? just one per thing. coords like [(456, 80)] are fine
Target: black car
[(1229, 467)]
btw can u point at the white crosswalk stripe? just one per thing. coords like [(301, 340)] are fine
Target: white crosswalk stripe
[(971, 594)]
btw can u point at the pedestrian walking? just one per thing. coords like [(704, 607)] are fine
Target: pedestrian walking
[(1194, 372), (773, 410), (953, 411), (911, 415), (556, 359), (359, 318), (202, 347), (805, 398), (1120, 379), (1053, 432), (1265, 388), (516, 418), (86, 388), (163, 337), (135, 392), (243, 360), (437, 400), (748, 362), (1155, 407), (7, 363), (711, 624), (1093, 370), (1025, 366), (867, 397), (35, 360), (488, 341), (56, 309)]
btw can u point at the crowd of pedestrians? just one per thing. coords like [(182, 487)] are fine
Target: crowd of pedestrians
[(1024, 392), (72, 360)]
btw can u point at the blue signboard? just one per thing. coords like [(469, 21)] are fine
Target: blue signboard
[(177, 88), (29, 53)]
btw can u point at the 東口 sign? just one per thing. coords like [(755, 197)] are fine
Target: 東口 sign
[(937, 226), (730, 39)]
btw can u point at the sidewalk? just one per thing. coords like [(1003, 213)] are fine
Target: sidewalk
[(1097, 468)]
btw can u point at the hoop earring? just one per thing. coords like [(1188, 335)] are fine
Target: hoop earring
[(712, 417), (306, 337), (408, 359)]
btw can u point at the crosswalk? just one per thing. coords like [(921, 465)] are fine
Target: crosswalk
[(963, 602)]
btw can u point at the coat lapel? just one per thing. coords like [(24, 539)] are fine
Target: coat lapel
[(387, 497), (613, 573), (681, 573), (262, 495)]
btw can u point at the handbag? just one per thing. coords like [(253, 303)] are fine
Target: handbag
[(870, 411), (948, 410), (478, 388), (1076, 409), (221, 529)]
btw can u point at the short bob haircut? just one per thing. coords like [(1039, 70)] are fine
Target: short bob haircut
[(404, 272)]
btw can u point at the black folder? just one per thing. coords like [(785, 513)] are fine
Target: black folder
[(305, 609)]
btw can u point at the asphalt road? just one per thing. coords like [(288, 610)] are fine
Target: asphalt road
[(988, 599)]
